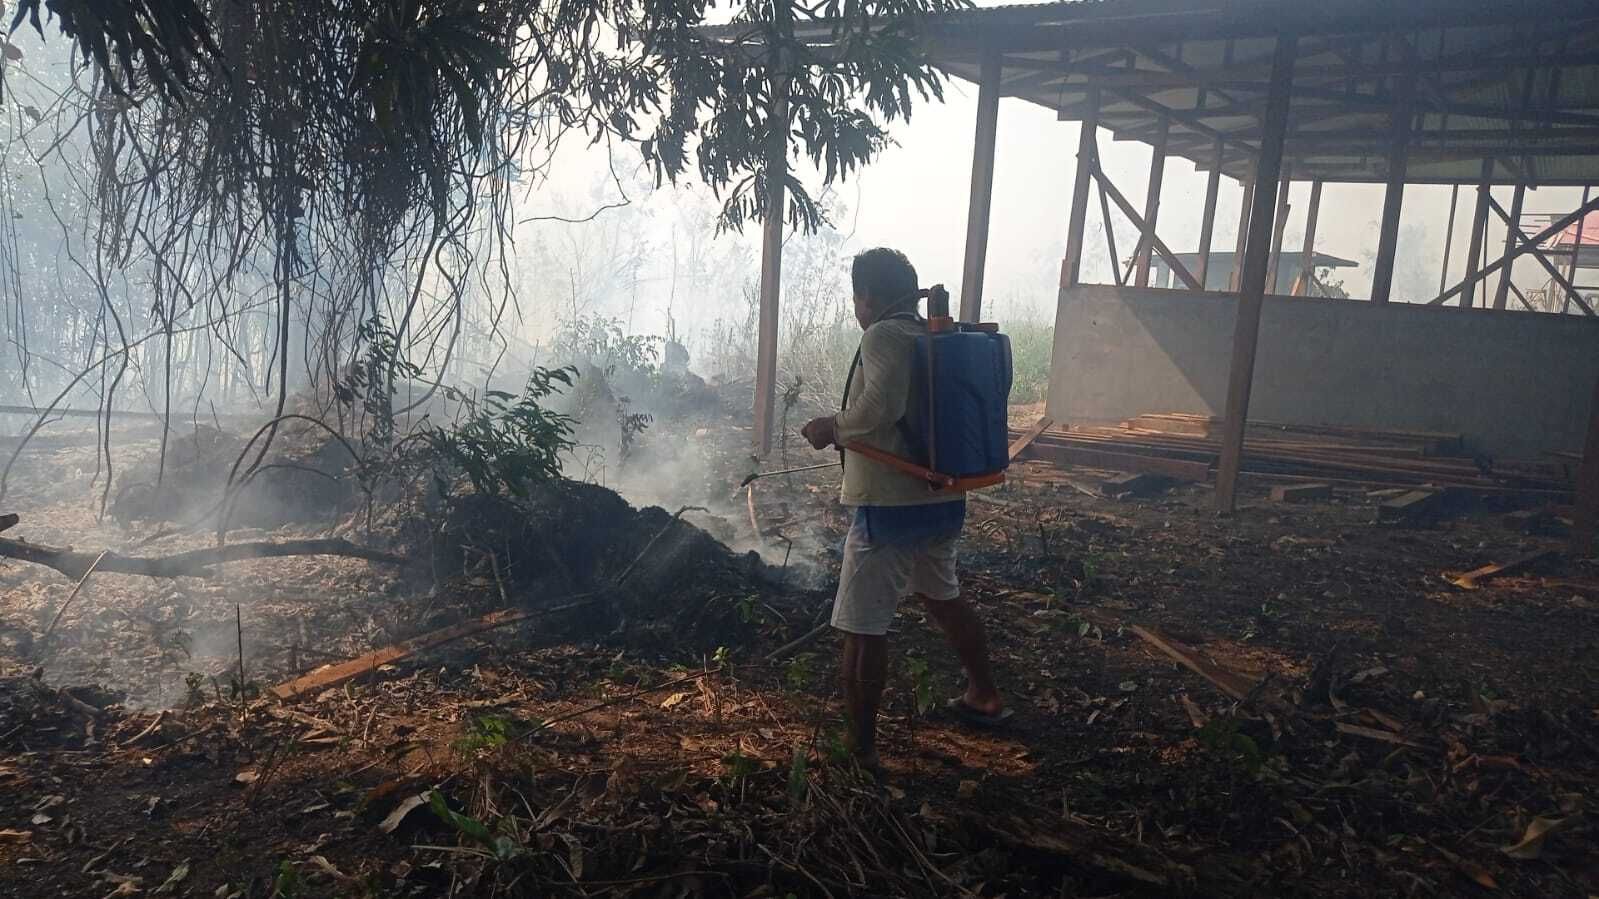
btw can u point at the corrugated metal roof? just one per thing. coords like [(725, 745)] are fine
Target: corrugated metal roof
[(1204, 69)]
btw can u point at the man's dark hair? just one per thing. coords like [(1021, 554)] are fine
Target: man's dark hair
[(883, 276)]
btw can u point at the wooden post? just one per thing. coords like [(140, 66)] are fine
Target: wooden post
[(1157, 171), (1252, 283), (1243, 229), (1479, 227), (1281, 221), (1087, 157), (1393, 200), (982, 188), (1207, 224), (1587, 507), (1449, 237), (1502, 294), (1307, 253), (771, 263), (1576, 250)]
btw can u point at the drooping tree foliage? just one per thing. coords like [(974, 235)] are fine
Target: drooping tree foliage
[(273, 174)]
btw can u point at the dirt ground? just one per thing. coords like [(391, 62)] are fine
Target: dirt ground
[(1366, 727)]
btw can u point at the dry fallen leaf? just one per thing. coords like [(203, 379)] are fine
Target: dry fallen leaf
[(246, 777), (170, 885), (326, 867), (15, 836), (674, 699), (406, 807), (1531, 844)]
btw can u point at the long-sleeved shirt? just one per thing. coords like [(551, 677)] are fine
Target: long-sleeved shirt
[(879, 393)]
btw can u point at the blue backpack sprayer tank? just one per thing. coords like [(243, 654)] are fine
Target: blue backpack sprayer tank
[(957, 418)]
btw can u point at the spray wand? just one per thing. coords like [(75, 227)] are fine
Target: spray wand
[(766, 474)]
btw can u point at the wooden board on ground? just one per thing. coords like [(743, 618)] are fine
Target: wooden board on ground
[(1300, 493), (334, 675), (1473, 579), (1230, 682), (1133, 485), (1028, 436), (1409, 505), (1176, 469)]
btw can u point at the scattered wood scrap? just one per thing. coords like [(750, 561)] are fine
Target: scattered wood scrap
[(1065, 453), (1123, 486), (333, 675), (1371, 733), (1300, 493), (1474, 578), (1409, 506), (1028, 436), (1080, 845), (194, 563), (1232, 683), (1338, 456)]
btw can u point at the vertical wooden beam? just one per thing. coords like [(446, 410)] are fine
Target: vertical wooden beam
[(1479, 228), (1252, 283), (1586, 515), (1393, 200), (1576, 250), (1449, 237), (1071, 268), (1243, 229), (1502, 294), (1207, 224), (1307, 252), (771, 262), (1157, 172), (1281, 222), (982, 188)]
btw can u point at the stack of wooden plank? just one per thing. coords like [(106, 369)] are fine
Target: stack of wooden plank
[(1186, 447)]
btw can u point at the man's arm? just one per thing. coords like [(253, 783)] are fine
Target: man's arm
[(884, 382)]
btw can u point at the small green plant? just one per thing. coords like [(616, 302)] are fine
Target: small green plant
[(630, 425), (485, 732), (503, 847), (834, 747), (749, 609), (921, 684), (194, 696), (1090, 568), (736, 766), (601, 341), (1221, 736), (797, 673), (286, 882), (507, 444), (504, 443), (723, 657), (798, 783)]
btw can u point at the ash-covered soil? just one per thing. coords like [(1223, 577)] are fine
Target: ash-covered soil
[(1396, 734)]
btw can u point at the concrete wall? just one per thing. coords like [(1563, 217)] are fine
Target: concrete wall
[(1514, 383)]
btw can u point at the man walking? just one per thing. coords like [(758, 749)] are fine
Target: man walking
[(902, 541)]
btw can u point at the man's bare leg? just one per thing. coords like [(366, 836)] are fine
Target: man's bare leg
[(964, 632), (865, 667)]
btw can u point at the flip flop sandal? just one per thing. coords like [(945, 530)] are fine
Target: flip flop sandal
[(973, 717)]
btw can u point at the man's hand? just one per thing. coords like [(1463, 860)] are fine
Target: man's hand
[(820, 432)]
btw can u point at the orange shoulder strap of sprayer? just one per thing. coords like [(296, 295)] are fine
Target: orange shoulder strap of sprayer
[(936, 480)]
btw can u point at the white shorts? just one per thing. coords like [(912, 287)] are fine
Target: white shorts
[(876, 576)]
